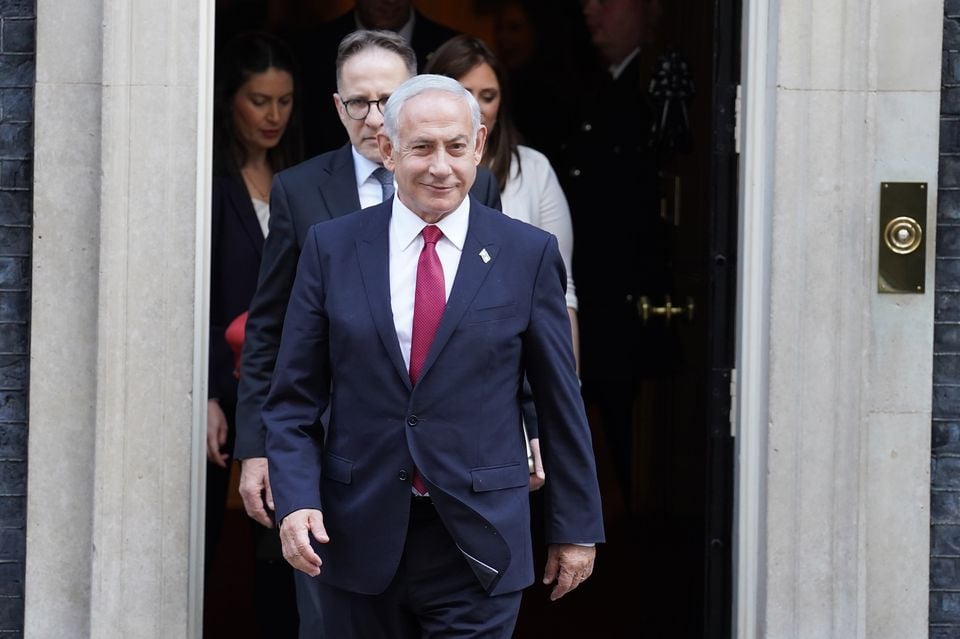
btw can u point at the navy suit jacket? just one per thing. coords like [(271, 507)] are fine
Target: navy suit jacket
[(460, 425), (322, 188), (236, 248)]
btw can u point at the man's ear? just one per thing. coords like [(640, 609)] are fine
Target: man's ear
[(338, 105), (386, 150), (481, 141)]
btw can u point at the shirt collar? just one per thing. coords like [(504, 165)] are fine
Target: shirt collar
[(362, 167), (617, 69), (408, 224)]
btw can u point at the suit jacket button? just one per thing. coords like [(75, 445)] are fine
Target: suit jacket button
[(402, 475), (412, 420)]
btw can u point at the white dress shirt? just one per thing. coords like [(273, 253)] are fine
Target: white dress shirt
[(617, 69), (405, 246), (368, 188)]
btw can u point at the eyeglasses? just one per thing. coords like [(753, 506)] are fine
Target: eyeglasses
[(358, 109)]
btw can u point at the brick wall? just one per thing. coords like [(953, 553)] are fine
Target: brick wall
[(945, 498), (17, 46)]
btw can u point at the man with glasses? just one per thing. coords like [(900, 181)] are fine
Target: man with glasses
[(370, 65), (316, 47)]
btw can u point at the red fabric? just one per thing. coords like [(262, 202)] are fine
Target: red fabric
[(235, 333), (429, 302)]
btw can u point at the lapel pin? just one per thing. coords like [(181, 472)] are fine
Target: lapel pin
[(484, 255)]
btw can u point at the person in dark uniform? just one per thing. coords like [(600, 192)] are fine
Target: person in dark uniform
[(318, 49), (545, 49), (608, 168)]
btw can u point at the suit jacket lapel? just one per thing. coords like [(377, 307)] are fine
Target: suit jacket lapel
[(338, 188), (242, 207), (373, 252), (471, 273)]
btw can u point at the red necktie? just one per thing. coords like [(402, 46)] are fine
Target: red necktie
[(429, 302)]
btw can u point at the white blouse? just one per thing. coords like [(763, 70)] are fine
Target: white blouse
[(533, 195), (262, 209)]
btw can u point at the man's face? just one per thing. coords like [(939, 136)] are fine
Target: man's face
[(616, 26), (372, 74), (435, 159)]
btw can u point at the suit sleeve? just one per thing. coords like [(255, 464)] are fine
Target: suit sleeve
[(486, 189), (300, 391), (571, 494), (265, 324)]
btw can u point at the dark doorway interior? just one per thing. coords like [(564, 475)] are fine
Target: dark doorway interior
[(665, 570)]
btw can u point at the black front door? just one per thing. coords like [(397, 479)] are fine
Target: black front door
[(665, 570)]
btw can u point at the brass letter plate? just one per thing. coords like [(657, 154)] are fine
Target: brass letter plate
[(903, 237)]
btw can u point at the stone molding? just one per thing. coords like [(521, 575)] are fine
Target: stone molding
[(840, 538), (113, 384)]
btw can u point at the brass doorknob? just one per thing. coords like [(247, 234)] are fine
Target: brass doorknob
[(668, 311)]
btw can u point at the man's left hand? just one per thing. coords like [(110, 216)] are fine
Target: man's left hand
[(569, 565)]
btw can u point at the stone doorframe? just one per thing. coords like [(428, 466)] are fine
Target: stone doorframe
[(117, 402), (833, 451), (833, 407)]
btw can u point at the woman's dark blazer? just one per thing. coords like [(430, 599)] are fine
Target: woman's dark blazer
[(237, 245)]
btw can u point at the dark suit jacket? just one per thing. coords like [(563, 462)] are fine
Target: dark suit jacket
[(460, 424), (608, 170), (236, 248), (319, 189), (317, 51)]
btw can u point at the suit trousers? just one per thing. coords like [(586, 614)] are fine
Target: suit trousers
[(434, 594), (309, 612)]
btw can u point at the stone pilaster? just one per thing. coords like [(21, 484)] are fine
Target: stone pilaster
[(855, 93), (112, 382)]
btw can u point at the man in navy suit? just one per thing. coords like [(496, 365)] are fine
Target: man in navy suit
[(411, 507), (370, 65)]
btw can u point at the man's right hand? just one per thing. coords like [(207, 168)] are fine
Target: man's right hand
[(538, 477), (295, 532), (255, 490), (216, 433)]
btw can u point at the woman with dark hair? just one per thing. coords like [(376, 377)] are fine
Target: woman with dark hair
[(256, 134), (529, 189), (250, 61)]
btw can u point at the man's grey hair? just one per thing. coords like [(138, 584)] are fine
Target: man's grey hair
[(421, 84), (363, 39)]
